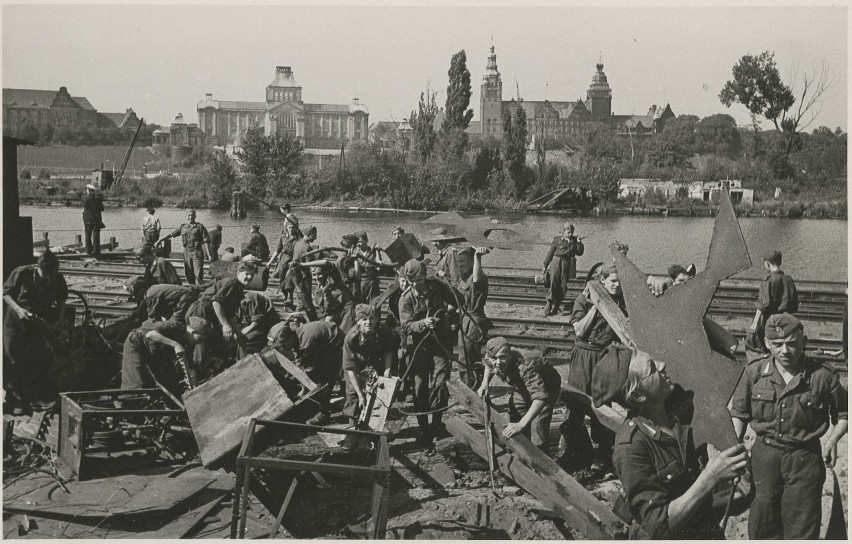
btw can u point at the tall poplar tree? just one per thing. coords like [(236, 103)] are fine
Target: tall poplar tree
[(458, 114)]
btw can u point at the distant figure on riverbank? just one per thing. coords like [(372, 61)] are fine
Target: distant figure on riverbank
[(151, 227), (215, 242), (560, 262), (193, 236), (230, 256), (777, 295), (93, 207), (257, 246)]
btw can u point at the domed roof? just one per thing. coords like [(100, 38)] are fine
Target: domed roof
[(599, 79), (284, 77)]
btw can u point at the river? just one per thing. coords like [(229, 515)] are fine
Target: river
[(813, 249)]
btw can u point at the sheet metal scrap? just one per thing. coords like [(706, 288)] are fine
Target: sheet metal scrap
[(670, 327), (483, 231)]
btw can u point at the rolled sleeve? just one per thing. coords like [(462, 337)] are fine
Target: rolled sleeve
[(763, 301), (176, 232), (741, 401), (840, 400), (535, 384), (646, 497), (581, 308), (350, 358)]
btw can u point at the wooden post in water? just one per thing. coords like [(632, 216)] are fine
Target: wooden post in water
[(113, 243), (237, 206), (78, 239)]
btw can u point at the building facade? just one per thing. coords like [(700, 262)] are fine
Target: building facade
[(23, 107), (180, 137), (324, 128), (560, 120), (706, 191)]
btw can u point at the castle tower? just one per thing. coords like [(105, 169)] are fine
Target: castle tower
[(491, 99), (284, 87), (599, 96)]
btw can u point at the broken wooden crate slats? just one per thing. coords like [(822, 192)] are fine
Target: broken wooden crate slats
[(585, 511)]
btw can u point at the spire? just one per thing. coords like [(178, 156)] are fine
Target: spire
[(491, 66)]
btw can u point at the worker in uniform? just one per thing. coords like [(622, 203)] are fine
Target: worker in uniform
[(151, 227), (317, 348), (367, 268), (790, 401), (296, 282), (560, 262), (473, 285), (289, 236), (220, 302), (158, 270), (369, 347), (446, 263), (194, 237), (153, 353), (593, 336), (329, 301), (347, 267), (666, 491), (215, 236), (93, 207), (166, 301), (257, 245), (255, 318), (34, 307), (535, 384), (425, 311), (777, 295)]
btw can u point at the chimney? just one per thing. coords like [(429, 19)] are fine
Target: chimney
[(179, 118), (208, 96), (355, 101), (284, 70)]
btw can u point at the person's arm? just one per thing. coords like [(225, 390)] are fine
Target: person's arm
[(549, 256), (762, 304), (410, 324), (741, 404), (739, 428), (838, 401), (477, 263), (486, 378), (516, 428), (579, 248), (227, 328), (754, 323), (388, 360), (159, 338), (13, 304), (829, 449), (582, 323), (174, 234), (353, 381)]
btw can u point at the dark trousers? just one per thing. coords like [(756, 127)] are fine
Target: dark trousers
[(193, 265), (214, 254), (93, 238), (580, 449), (470, 362), (27, 359), (788, 492), (431, 373), (369, 289), (151, 236), (539, 430)]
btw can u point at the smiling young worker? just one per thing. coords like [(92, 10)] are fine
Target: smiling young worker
[(790, 402)]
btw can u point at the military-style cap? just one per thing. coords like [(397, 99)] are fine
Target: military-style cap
[(494, 345), (275, 331), (361, 234), (440, 234), (781, 326), (200, 325), (414, 270), (348, 239), (773, 257), (363, 311)]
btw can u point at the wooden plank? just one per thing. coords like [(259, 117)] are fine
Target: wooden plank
[(220, 409), (610, 311), (610, 417), (385, 392), (294, 370), (587, 513), (555, 198), (541, 487)]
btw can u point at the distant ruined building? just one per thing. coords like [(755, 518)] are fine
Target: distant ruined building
[(557, 119), (322, 128)]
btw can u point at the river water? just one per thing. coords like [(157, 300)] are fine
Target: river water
[(812, 249)]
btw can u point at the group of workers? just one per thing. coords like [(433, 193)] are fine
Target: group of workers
[(435, 314)]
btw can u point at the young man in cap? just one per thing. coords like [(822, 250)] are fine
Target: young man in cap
[(194, 237), (289, 236), (790, 401), (426, 315), (316, 347), (255, 317), (93, 207), (165, 301), (215, 242), (219, 303), (157, 269), (777, 294), (257, 244), (560, 261), (593, 336), (535, 384), (473, 286), (299, 284), (366, 268), (368, 347), (150, 227), (153, 351), (397, 232), (446, 263)]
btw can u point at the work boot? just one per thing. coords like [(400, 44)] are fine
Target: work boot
[(321, 418), (548, 309)]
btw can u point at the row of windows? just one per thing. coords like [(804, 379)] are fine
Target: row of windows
[(279, 95)]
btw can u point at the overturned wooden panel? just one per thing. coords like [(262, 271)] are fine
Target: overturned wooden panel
[(220, 409), (581, 509)]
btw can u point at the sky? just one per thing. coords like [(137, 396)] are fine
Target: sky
[(162, 59)]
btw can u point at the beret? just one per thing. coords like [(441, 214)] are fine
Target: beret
[(781, 326), (494, 345), (200, 325), (361, 234), (414, 270)]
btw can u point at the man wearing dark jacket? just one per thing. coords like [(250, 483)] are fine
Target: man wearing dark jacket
[(93, 206)]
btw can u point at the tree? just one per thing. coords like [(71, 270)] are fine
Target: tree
[(422, 123), (757, 85), (285, 157), (29, 132), (269, 161), (486, 160), (682, 130), (823, 154), (718, 135), (666, 151), (458, 115), (255, 158), (222, 178), (515, 130)]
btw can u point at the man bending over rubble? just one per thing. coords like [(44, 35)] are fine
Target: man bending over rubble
[(155, 352), (535, 384)]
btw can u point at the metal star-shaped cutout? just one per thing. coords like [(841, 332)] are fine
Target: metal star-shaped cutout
[(670, 327)]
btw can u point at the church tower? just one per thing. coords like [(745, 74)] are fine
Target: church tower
[(491, 99), (284, 87), (599, 96)]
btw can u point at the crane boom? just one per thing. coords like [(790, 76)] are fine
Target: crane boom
[(128, 153)]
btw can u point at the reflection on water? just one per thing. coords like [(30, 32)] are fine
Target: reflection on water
[(813, 249)]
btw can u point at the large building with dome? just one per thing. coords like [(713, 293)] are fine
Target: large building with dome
[(322, 128), (557, 119)]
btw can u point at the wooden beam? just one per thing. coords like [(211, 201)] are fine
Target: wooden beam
[(540, 486), (294, 370), (610, 311), (582, 509)]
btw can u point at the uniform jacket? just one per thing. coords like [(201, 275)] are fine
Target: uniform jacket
[(533, 381), (320, 344), (169, 300), (151, 223), (360, 352), (93, 205), (33, 292), (415, 306), (193, 236), (258, 246), (777, 294), (161, 271), (563, 249), (228, 292), (599, 335)]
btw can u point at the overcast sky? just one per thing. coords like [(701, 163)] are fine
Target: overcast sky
[(161, 59)]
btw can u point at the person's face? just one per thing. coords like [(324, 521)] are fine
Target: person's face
[(291, 230), (439, 244), (788, 351), (611, 284), (396, 234), (403, 283), (568, 232), (245, 276), (681, 278), (190, 217), (48, 270), (368, 324), (657, 384), (318, 277), (502, 361), (311, 237), (363, 243)]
